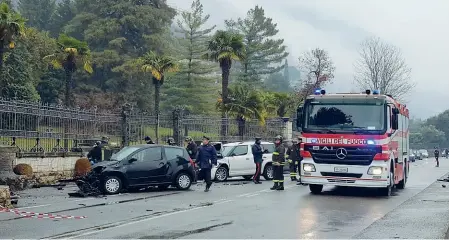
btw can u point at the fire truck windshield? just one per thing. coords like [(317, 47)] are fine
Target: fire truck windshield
[(366, 118)]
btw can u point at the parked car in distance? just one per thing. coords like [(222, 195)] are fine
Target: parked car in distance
[(146, 165), (417, 155), (236, 160), (424, 153), (412, 156)]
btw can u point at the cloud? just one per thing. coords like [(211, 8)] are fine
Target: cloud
[(418, 27)]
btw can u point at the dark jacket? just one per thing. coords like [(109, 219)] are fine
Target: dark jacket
[(95, 154), (257, 153), (279, 154), (207, 155), (437, 153), (192, 149), (293, 153)]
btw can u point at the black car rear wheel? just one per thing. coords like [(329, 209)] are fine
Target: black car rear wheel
[(183, 181)]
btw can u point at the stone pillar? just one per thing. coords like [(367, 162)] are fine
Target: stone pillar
[(5, 197), (7, 157), (287, 131)]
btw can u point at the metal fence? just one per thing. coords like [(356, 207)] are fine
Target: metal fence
[(35, 127)]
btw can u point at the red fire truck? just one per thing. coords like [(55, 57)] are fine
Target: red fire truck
[(356, 140)]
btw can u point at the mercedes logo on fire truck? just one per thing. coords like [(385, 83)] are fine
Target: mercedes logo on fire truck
[(341, 153)]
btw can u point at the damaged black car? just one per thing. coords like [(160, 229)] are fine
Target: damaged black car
[(141, 166)]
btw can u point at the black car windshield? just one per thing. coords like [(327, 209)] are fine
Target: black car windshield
[(338, 117), (122, 154)]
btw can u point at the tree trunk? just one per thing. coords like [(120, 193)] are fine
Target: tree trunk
[(67, 103), (157, 93), (241, 123), (68, 92), (2, 53), (225, 70)]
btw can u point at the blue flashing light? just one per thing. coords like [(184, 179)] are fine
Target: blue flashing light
[(314, 140), (375, 92), (317, 91), (370, 142)]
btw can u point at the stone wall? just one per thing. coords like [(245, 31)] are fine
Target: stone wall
[(50, 168), (5, 198)]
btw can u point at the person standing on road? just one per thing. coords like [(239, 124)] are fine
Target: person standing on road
[(191, 148), (437, 155), (94, 154), (207, 157), (278, 164), (293, 157), (257, 150)]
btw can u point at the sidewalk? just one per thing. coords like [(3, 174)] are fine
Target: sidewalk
[(424, 216)]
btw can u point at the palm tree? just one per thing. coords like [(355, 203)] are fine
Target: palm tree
[(224, 47), (158, 66), (12, 25), (283, 102), (245, 104), (71, 54)]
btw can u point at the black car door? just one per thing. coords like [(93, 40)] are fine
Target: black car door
[(175, 158), (146, 166)]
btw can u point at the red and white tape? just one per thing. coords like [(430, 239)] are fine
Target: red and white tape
[(39, 215)]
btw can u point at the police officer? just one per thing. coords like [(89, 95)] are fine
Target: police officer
[(148, 140), (437, 155), (293, 157), (171, 141), (257, 150), (278, 164), (191, 148), (207, 157)]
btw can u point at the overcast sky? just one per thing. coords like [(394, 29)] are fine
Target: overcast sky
[(418, 27)]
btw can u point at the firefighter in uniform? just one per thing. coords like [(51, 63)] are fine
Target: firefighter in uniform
[(278, 164), (293, 158)]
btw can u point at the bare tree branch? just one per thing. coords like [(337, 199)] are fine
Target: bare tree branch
[(381, 66), (317, 68)]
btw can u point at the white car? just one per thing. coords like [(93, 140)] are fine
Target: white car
[(237, 160)]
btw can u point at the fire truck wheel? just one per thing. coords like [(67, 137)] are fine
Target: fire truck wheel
[(401, 184), (316, 189), (386, 191)]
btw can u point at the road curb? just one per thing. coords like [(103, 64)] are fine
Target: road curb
[(423, 216)]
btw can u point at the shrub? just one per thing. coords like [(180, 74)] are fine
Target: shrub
[(82, 167), (23, 169)]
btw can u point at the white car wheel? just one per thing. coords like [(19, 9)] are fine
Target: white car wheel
[(221, 174)]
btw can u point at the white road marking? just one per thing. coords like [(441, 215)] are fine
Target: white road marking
[(45, 205)]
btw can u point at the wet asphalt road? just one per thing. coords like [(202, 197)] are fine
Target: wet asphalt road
[(235, 209)]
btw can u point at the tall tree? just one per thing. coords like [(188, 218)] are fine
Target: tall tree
[(158, 66), (71, 54), (225, 47), (264, 54), (39, 13), (196, 36), (118, 32), (318, 68), (194, 70), (12, 26), (381, 66)]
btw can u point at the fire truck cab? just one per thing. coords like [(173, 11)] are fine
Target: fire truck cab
[(355, 140)]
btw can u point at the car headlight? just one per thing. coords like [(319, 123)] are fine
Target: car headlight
[(375, 171), (307, 167)]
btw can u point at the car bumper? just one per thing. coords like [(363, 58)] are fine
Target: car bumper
[(324, 175)]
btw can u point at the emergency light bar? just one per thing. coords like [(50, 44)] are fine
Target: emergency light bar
[(319, 91)]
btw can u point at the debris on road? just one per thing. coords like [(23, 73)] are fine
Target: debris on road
[(88, 185)]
